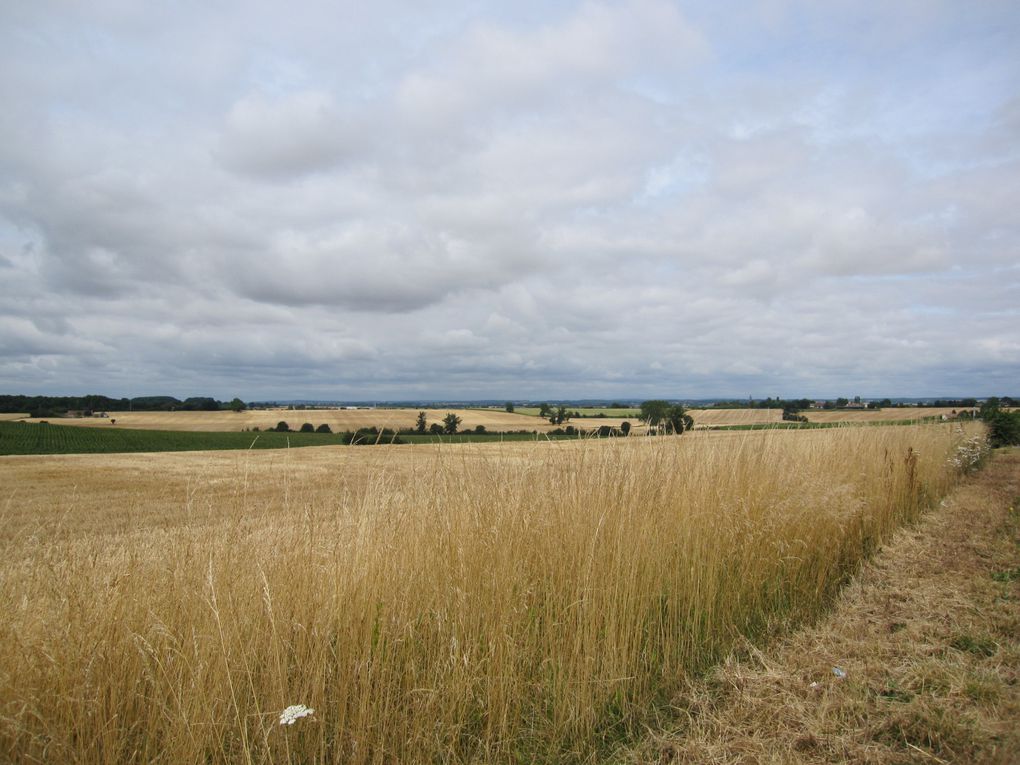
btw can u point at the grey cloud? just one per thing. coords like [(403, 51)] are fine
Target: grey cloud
[(380, 266), (586, 198), (286, 137), (499, 69)]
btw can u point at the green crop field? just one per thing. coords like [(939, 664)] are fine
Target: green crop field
[(26, 438), (45, 438)]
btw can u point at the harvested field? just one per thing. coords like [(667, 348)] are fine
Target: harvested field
[(529, 602), (337, 419), (712, 417), (893, 414)]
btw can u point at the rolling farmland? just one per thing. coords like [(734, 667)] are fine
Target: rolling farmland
[(337, 419), (492, 419)]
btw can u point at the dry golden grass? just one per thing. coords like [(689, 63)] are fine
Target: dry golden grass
[(928, 635), (337, 419), (10, 416), (892, 414), (454, 604)]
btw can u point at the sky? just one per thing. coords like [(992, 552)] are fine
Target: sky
[(429, 199)]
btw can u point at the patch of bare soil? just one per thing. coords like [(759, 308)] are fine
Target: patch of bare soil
[(917, 662)]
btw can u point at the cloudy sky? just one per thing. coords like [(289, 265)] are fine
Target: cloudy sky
[(531, 199)]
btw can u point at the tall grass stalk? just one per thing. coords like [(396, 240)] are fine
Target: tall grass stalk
[(529, 605)]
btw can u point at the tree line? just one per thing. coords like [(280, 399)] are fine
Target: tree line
[(52, 406)]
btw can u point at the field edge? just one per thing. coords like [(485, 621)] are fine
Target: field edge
[(916, 661)]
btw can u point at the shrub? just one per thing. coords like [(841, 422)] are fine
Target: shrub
[(282, 427), (479, 428), (307, 428), (324, 428), (1004, 428)]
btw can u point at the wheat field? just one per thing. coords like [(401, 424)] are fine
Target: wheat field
[(482, 603)]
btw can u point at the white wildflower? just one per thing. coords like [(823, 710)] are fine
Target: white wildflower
[(293, 713)]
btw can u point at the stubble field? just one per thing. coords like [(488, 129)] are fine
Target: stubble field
[(337, 419), (716, 417), (892, 414), (531, 602)]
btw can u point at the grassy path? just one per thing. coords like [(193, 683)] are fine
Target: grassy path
[(928, 635)]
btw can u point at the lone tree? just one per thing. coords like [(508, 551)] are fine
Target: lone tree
[(237, 405), (625, 427), (421, 425), (544, 410), (509, 406), (559, 416), (450, 424), (660, 414), (654, 412), (677, 419)]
